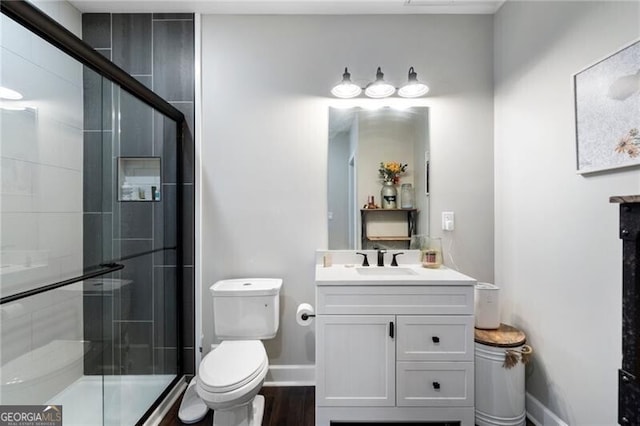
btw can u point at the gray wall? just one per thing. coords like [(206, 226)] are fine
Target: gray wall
[(158, 50), (558, 256), (266, 83)]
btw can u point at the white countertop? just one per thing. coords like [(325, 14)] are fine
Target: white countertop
[(349, 274)]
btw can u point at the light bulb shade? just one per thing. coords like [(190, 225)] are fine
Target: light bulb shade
[(379, 88), (413, 88), (346, 89)]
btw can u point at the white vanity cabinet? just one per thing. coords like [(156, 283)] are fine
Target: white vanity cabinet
[(395, 353)]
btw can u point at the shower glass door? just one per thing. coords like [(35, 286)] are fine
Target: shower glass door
[(141, 221), (89, 259)]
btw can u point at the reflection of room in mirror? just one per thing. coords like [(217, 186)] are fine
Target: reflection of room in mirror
[(359, 140)]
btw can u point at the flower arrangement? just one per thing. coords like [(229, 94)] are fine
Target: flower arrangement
[(390, 171), (629, 144)]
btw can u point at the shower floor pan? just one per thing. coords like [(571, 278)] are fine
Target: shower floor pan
[(109, 400)]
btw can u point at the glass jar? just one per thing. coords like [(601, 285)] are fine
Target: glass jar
[(430, 250), (406, 196), (389, 194)]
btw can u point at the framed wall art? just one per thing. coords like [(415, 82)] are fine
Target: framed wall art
[(607, 111)]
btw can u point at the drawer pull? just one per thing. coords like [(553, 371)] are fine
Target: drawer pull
[(391, 331), (435, 339), (436, 385)]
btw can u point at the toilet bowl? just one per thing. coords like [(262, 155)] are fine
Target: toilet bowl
[(232, 374)]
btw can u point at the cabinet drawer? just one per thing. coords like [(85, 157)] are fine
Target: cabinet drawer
[(434, 384), (412, 300), (435, 338)]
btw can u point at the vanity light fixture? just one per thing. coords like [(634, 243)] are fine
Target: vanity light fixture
[(413, 88), (346, 88), (379, 88)]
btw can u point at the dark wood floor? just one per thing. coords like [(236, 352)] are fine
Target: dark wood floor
[(284, 406)]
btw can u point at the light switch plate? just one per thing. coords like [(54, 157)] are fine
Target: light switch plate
[(448, 221)]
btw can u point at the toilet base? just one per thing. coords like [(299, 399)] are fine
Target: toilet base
[(244, 415)]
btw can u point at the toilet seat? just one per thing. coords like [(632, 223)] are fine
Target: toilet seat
[(232, 365)]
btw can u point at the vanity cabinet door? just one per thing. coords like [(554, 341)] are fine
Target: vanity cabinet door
[(435, 338), (355, 360)]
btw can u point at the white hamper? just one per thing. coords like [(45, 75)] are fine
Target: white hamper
[(499, 389), (487, 305)]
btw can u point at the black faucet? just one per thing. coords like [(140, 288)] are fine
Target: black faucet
[(381, 253), (365, 261), (394, 262)]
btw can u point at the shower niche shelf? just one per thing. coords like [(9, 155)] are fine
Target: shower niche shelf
[(139, 179)]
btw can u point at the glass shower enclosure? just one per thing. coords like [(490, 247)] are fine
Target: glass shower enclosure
[(90, 257)]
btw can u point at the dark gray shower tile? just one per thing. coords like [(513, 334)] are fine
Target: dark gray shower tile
[(157, 16), (188, 361), (92, 99), (188, 224), (107, 172), (135, 349), (165, 307), (105, 52), (131, 34), (134, 299), (165, 225), (173, 60), (165, 145), (108, 88), (136, 124), (136, 219), (165, 361), (97, 174), (188, 306), (92, 235), (98, 326), (96, 30), (147, 80), (92, 172)]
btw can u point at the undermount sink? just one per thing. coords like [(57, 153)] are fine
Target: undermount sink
[(381, 271)]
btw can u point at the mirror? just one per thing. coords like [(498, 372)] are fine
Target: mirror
[(359, 140)]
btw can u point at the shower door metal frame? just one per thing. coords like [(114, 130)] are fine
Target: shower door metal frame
[(51, 31)]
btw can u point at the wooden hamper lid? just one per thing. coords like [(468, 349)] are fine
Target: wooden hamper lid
[(505, 336)]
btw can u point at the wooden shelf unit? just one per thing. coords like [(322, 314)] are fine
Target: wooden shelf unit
[(412, 226)]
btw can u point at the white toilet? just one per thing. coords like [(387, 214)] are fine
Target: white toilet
[(245, 312)]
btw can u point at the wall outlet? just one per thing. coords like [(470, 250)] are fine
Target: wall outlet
[(448, 221)]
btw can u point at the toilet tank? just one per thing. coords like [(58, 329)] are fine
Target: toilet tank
[(246, 308)]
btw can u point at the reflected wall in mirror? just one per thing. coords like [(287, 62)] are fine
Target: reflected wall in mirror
[(359, 140)]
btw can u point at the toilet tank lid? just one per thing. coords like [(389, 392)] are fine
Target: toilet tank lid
[(246, 287)]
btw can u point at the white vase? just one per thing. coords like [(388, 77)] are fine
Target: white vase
[(389, 195)]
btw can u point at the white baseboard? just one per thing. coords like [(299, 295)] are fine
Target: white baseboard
[(541, 415), (291, 375)]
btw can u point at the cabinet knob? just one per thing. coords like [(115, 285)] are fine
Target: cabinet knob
[(624, 420), (435, 339), (436, 385), (625, 232)]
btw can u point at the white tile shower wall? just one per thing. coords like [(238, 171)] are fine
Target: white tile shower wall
[(41, 186)]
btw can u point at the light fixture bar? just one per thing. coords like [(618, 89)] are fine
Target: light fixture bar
[(379, 88)]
